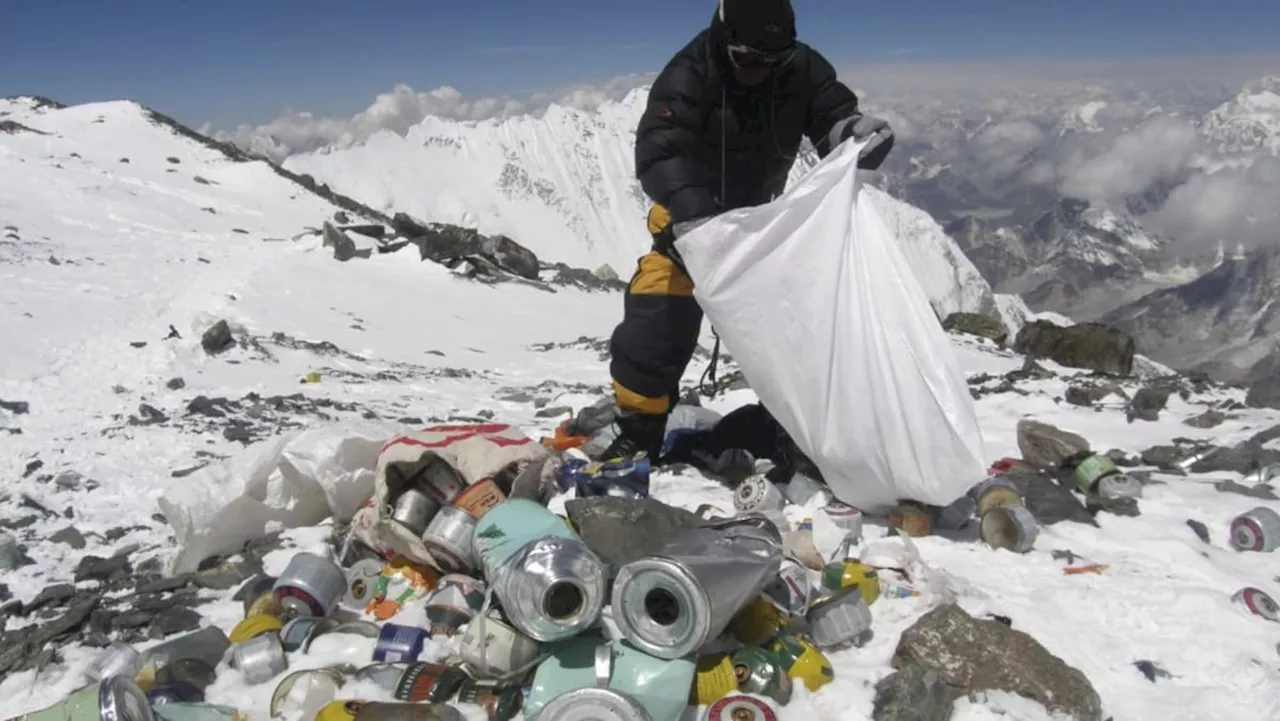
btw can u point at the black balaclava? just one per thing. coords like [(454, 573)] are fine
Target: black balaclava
[(768, 25)]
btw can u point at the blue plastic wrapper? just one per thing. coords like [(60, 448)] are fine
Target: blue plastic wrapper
[(628, 478)]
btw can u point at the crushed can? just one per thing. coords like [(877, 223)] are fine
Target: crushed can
[(995, 492), (439, 480), (414, 509), (758, 494), (454, 602), (117, 659), (757, 622), (501, 701), (1098, 474), (479, 498), (302, 694), (852, 574), (590, 662), (802, 661), (791, 590), (429, 683), (492, 648), (260, 659), (297, 634), (1012, 528), (620, 477), (758, 671), (714, 679), (449, 540), (114, 699), (384, 675), (310, 585), (550, 583), (397, 643), (957, 514), (209, 645), (252, 627), (1257, 531), (1258, 603), (178, 692), (593, 704), (740, 707), (840, 619), (190, 671)]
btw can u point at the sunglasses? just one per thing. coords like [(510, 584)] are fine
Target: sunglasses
[(746, 57)]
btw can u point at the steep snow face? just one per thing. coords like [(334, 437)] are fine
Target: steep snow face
[(1248, 124), (564, 185)]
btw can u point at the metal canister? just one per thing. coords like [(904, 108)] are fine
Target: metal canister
[(911, 519), (118, 659), (852, 574), (757, 622), (339, 711), (758, 671), (113, 699), (449, 539), (758, 494), (384, 675), (593, 704), (261, 659), (178, 692), (429, 682), (1257, 530), (381, 711), (479, 498), (191, 671), (792, 591), (311, 585), (1012, 528), (455, 601), (840, 619), (254, 626), (802, 661), (957, 514), (397, 643), (197, 712), (362, 582), (253, 591), (441, 481), (297, 634), (1099, 474), (802, 489), (491, 648), (845, 517), (10, 555), (209, 644), (714, 679), (995, 492), (302, 694), (414, 509), (739, 707), (1258, 603), (500, 700)]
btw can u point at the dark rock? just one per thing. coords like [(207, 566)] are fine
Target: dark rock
[(172, 160), (221, 578), (55, 595), (69, 480), (564, 275), (341, 217), (915, 693), (32, 467), (69, 536), (976, 655), (184, 472), (176, 384), (1206, 420), (237, 432), (1150, 670), (1147, 403), (1201, 530), (15, 407), (1261, 491), (1030, 371), (93, 568), (132, 619), (1089, 393), (376, 231), (621, 530), (516, 397), (175, 619), (553, 411), (1049, 501), (1116, 506), (344, 248), (217, 338), (1236, 459), (511, 256), (1045, 446), (977, 324), (205, 406), (1123, 459), (203, 181), (406, 225), (148, 415), (164, 584), (4, 595), (149, 567), (1265, 393), (1166, 458), (1093, 346)]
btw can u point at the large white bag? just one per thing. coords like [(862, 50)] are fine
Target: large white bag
[(820, 308)]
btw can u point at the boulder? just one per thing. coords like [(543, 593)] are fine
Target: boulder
[(1092, 346), (1045, 446), (977, 324)]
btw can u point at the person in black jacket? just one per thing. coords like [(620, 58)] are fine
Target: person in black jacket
[(721, 130)]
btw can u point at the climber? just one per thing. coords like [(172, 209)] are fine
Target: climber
[(721, 130)]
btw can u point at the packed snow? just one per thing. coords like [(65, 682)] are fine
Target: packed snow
[(100, 256)]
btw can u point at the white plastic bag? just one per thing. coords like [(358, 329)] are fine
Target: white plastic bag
[(832, 330)]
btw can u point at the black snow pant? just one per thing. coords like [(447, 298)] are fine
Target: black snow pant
[(658, 335)]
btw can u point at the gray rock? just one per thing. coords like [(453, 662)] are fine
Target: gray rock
[(176, 384), (553, 411), (344, 248), (1198, 528), (1093, 346), (977, 324), (1045, 446), (1123, 459), (1049, 501), (175, 619), (368, 230), (69, 536), (1261, 491), (606, 273), (1208, 419), (217, 338), (1030, 371), (1264, 393), (511, 256), (915, 693), (621, 530), (93, 568), (977, 655), (55, 595), (1165, 458), (15, 407), (1147, 403), (1237, 459), (222, 577), (164, 584), (1116, 506)]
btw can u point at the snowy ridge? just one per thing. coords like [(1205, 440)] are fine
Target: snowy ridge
[(563, 184), (1249, 123)]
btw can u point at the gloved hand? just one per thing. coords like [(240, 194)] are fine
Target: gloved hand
[(872, 129)]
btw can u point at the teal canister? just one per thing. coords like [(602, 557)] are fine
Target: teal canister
[(550, 584), (588, 662)]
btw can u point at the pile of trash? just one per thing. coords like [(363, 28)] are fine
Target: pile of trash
[(469, 589)]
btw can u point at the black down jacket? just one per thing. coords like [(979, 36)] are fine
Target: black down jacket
[(706, 144)]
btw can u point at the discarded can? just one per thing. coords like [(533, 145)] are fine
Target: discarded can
[(440, 480), (209, 645), (840, 619), (1258, 603), (298, 633), (492, 648), (456, 600), (367, 629), (266, 604), (845, 517), (1098, 474), (995, 492), (449, 539), (397, 643), (362, 581), (1257, 530), (384, 675), (802, 661), (252, 627), (252, 592), (310, 586), (118, 659), (758, 494), (479, 498), (382, 711), (429, 683), (741, 708), (191, 671), (852, 574), (714, 679), (339, 711), (302, 694), (912, 519), (196, 712), (178, 692), (114, 699), (551, 585), (801, 489), (792, 590), (261, 659), (414, 510), (757, 622), (957, 514), (501, 701), (758, 671), (671, 603), (1012, 528), (10, 555), (593, 704)]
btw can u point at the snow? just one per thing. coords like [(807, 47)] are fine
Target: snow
[(1248, 123), (136, 253)]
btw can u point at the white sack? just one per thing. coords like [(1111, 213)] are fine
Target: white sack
[(295, 480), (834, 333)]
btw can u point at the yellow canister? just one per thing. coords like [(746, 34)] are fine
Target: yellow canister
[(252, 627), (802, 661), (265, 605), (852, 574), (715, 678), (339, 711), (757, 622)]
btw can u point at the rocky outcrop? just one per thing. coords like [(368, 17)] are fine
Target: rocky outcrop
[(976, 324), (1092, 346)]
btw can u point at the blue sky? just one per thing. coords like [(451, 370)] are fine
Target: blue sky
[(235, 61)]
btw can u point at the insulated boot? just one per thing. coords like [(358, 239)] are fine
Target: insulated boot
[(637, 433)]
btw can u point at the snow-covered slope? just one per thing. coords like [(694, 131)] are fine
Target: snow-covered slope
[(564, 185), (1247, 124)]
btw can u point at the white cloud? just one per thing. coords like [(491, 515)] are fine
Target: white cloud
[(1160, 148), (1231, 207)]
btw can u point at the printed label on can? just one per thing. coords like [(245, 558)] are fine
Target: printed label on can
[(294, 597), (741, 708), (429, 683), (479, 498)]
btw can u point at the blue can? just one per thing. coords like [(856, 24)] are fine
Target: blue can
[(399, 644)]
